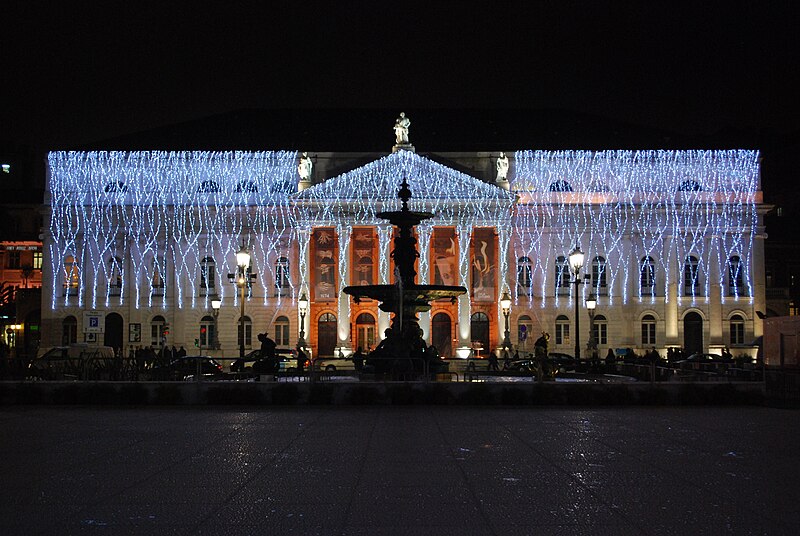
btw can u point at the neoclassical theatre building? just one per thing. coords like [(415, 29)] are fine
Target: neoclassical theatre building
[(141, 244)]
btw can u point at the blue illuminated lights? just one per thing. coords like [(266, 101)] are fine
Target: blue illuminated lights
[(163, 212), (626, 206)]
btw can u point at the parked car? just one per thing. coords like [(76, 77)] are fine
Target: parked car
[(703, 362), (69, 362), (563, 362), (332, 364), (185, 368), (287, 361)]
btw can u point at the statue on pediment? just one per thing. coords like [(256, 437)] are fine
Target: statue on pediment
[(401, 129)]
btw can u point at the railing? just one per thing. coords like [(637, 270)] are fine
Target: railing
[(88, 369)]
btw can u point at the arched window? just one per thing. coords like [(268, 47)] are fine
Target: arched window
[(690, 186), (562, 276), (599, 276), (208, 187), (115, 276), (737, 330), (736, 277), (479, 329), (524, 272), (72, 276), (647, 277), (248, 187), (560, 186), (648, 330), (282, 331), (69, 331), (691, 281), (524, 329), (157, 284), (248, 332), (116, 186), (207, 332), (562, 330), (282, 277), (208, 276), (365, 325), (156, 330), (600, 330)]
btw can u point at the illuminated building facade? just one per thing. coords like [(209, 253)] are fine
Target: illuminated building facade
[(137, 241)]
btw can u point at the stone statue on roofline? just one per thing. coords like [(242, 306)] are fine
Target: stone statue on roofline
[(304, 168), (401, 129), (502, 168)]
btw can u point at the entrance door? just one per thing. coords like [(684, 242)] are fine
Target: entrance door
[(365, 324), (441, 334), (326, 333), (479, 326), (113, 335), (692, 334)]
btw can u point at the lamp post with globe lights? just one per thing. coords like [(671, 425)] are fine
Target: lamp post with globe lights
[(505, 305), (302, 305), (242, 279), (576, 258)]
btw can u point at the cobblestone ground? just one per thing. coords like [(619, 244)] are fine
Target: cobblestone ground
[(391, 470)]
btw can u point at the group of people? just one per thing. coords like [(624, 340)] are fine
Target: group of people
[(146, 357)]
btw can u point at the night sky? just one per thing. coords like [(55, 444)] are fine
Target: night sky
[(77, 75)]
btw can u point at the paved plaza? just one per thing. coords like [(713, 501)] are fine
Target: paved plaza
[(399, 470)]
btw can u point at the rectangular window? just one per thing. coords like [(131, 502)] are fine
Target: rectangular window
[(737, 333), (13, 259), (282, 334), (37, 260), (562, 333), (648, 333), (601, 333), (248, 334)]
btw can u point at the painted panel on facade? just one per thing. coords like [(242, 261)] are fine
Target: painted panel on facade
[(444, 257), (324, 264), (484, 265), (363, 272)]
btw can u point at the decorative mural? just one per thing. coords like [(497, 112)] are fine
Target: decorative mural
[(484, 265), (444, 257), (324, 264)]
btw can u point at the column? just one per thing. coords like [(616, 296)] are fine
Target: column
[(757, 281), (424, 243), (503, 237), (464, 309), (673, 275), (717, 272), (304, 275), (343, 317), (384, 250)]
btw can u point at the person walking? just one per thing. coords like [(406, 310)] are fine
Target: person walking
[(301, 360)]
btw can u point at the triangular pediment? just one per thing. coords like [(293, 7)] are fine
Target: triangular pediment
[(446, 192)]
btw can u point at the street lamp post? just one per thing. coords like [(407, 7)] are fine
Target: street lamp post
[(215, 305), (576, 258), (505, 305), (242, 261), (302, 305), (591, 303)]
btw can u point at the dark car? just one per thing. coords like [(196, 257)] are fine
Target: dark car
[(252, 362), (703, 362), (563, 362), (185, 368)]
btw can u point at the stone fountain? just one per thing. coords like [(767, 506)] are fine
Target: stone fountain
[(404, 350)]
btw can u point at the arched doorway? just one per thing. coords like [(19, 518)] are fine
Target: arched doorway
[(365, 325), (692, 333), (326, 334), (479, 327), (442, 334), (113, 335)]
